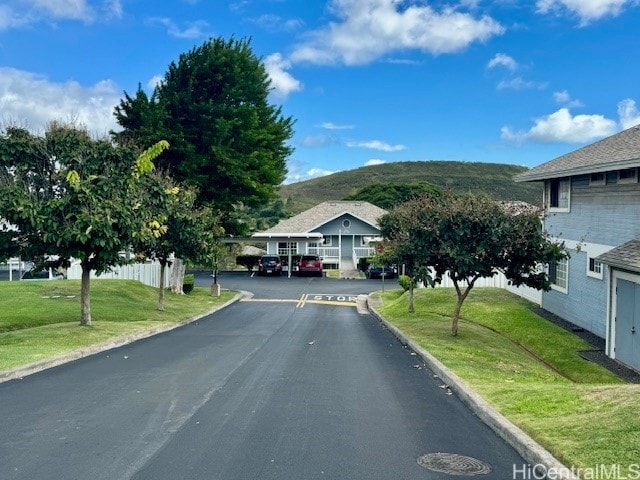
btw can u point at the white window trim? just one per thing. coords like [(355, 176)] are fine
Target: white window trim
[(564, 289), (592, 250), (628, 180), (591, 273), (547, 191), (327, 241)]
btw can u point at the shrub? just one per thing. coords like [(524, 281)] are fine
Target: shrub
[(405, 282), (188, 283)]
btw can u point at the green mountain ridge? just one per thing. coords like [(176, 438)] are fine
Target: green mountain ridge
[(495, 179)]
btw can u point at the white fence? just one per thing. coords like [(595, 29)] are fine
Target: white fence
[(499, 281), (147, 273)]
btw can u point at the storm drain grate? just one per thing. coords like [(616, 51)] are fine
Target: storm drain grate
[(454, 464)]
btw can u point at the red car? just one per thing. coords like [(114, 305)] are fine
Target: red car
[(310, 264)]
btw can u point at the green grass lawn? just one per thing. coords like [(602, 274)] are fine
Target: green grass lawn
[(41, 319), (529, 370)]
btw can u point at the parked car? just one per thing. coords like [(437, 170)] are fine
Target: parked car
[(270, 265), (311, 264), (42, 274), (379, 271)]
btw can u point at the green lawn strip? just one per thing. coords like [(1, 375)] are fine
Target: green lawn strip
[(586, 416), (41, 319)]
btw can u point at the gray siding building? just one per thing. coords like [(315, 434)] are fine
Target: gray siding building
[(340, 232), (592, 203)]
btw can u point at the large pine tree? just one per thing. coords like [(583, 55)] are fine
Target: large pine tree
[(226, 138)]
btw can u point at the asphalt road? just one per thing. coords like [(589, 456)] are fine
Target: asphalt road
[(289, 385)]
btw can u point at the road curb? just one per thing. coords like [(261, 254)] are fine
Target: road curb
[(532, 452), (39, 366)]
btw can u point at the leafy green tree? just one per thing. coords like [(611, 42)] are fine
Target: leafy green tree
[(180, 230), (389, 195), (226, 139), (74, 197), (470, 237)]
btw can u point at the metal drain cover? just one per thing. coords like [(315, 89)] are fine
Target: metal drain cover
[(454, 464)]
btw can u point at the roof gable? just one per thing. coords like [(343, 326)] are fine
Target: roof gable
[(325, 212), (618, 151)]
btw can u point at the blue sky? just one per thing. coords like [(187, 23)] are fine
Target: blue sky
[(367, 81)]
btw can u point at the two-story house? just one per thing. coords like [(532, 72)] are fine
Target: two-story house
[(592, 203), (339, 231)]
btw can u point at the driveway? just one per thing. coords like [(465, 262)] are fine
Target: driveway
[(284, 385)]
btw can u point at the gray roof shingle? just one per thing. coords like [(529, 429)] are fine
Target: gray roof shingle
[(308, 220), (625, 256), (618, 151)]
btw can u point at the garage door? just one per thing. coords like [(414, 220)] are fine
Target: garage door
[(627, 347)]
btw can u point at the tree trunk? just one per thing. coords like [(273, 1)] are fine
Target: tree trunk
[(85, 297), (456, 317), (411, 307), (163, 266), (177, 276), (461, 298)]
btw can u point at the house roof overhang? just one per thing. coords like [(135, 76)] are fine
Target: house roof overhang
[(623, 257), (288, 237), (534, 176)]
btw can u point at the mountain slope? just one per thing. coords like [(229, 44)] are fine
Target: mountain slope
[(492, 178)]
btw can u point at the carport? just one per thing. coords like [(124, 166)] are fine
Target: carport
[(305, 238)]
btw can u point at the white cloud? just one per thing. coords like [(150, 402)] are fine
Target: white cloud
[(282, 82), (629, 114), (561, 126), (565, 99), (155, 81), (374, 161), (275, 23), (503, 60), (18, 13), (317, 141), (369, 29), (114, 8), (189, 30), (586, 10), (377, 145), (295, 175), (519, 83), (31, 100), (333, 126), (9, 18), (70, 9)]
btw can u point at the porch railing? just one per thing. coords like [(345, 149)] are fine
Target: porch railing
[(324, 252)]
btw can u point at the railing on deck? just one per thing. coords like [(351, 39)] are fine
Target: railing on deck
[(324, 252)]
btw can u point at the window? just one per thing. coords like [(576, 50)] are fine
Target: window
[(346, 223), (597, 179), (594, 268), (628, 175), (327, 241), (558, 275), (558, 193), (284, 248)]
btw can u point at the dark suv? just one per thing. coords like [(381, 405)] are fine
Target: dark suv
[(380, 271), (270, 265), (311, 264)]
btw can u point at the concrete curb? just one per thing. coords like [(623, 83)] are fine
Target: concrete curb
[(537, 456), (39, 366)]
